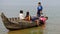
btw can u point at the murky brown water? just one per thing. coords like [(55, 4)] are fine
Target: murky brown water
[(34, 30)]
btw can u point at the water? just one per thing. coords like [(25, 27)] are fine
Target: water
[(52, 26), (3, 30)]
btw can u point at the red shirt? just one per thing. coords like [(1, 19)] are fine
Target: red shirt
[(43, 18)]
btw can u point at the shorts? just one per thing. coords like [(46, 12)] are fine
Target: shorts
[(35, 18), (41, 22), (38, 14)]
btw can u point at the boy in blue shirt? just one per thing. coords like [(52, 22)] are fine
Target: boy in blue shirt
[(39, 9)]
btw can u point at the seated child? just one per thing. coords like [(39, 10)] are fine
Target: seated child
[(28, 17), (21, 15)]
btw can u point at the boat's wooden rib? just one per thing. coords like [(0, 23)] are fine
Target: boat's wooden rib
[(13, 26)]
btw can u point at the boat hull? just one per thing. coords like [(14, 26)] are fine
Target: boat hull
[(15, 26)]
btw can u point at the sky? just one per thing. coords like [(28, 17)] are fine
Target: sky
[(29, 2), (13, 6)]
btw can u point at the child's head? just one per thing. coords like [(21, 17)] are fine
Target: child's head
[(21, 11), (39, 3), (27, 13), (46, 18)]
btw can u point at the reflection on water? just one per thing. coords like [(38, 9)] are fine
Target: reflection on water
[(3, 30), (35, 30)]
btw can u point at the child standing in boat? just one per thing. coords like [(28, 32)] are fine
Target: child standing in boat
[(39, 9)]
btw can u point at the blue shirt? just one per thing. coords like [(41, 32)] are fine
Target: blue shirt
[(39, 8)]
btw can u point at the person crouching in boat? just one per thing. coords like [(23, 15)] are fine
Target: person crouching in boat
[(21, 15), (28, 17), (43, 19)]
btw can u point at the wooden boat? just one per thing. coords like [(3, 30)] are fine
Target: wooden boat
[(14, 25)]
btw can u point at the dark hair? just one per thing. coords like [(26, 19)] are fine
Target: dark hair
[(27, 14), (39, 2), (46, 17), (21, 11)]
